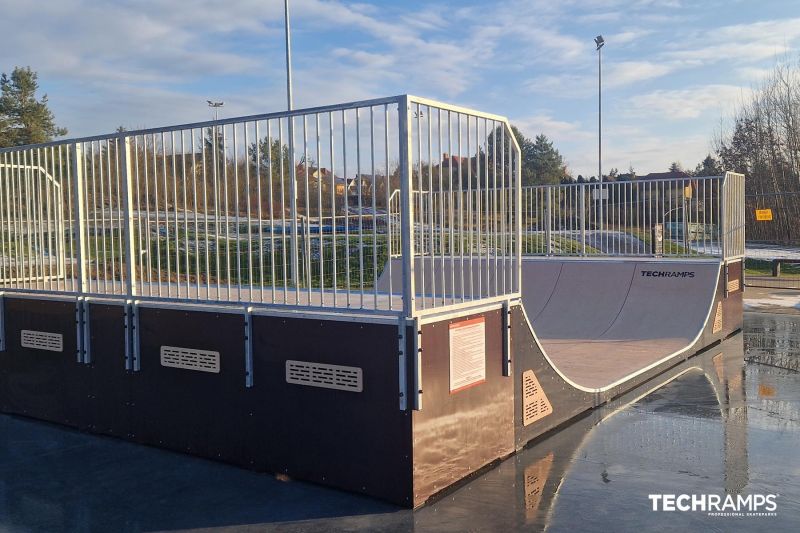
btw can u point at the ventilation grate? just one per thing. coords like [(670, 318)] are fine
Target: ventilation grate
[(718, 319), (535, 404), (733, 285), (338, 377), (190, 359), (42, 340)]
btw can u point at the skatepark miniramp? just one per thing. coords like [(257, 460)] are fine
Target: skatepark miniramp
[(598, 321), (602, 321)]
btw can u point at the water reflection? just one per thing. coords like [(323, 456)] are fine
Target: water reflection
[(711, 425), (773, 339)]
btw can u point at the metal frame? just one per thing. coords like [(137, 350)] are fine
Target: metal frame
[(181, 213), (703, 217)]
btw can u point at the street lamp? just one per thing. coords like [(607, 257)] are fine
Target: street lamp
[(215, 106), (599, 41)]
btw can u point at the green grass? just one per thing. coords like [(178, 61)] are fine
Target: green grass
[(763, 267)]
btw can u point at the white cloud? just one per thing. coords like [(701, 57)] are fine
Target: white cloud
[(615, 75), (682, 104)]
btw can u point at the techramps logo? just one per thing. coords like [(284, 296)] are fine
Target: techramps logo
[(667, 274), (764, 505)]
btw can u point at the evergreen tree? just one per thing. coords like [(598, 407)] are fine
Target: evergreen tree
[(23, 118)]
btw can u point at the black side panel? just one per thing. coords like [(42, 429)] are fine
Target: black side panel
[(358, 441), (110, 394), (43, 384), (196, 412), (566, 400)]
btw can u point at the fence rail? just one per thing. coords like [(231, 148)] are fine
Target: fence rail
[(692, 217), (309, 208)]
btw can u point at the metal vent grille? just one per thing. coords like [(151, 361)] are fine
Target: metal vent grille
[(733, 285), (42, 340), (718, 319), (348, 378), (535, 404), (190, 359)]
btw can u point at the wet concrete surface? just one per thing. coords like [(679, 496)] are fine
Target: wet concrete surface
[(713, 425)]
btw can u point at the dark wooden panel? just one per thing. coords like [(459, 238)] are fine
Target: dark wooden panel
[(358, 441), (458, 433), (200, 413), (111, 384), (48, 385)]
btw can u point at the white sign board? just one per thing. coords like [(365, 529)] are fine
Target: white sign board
[(600, 194), (467, 353)]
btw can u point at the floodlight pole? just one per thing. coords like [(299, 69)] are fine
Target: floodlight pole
[(599, 41), (289, 102), (294, 259)]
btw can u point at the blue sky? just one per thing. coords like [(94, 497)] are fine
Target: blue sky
[(672, 69)]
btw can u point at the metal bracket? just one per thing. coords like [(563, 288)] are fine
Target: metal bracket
[(128, 336), (132, 318), (87, 334), (402, 364), (248, 347), (726, 275), (506, 339), (2, 323), (417, 365), (82, 338)]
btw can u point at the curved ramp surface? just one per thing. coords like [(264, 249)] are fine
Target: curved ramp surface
[(605, 320)]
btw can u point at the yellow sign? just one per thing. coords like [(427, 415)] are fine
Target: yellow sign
[(763, 215)]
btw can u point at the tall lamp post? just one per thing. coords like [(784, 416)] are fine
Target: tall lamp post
[(599, 41), (294, 259)]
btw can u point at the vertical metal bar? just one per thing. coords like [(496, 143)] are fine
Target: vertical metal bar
[(374, 192), (260, 213), (389, 229), (128, 207), (334, 265), (293, 212), (80, 203), (406, 207), (237, 217)]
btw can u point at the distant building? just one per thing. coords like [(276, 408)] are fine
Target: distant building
[(678, 175)]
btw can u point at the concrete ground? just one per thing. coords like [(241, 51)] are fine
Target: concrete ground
[(768, 300), (724, 422)]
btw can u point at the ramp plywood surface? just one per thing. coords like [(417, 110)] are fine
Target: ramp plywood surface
[(605, 320)]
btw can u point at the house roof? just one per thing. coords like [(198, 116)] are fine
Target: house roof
[(679, 175)]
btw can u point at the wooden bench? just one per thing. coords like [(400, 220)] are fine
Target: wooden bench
[(776, 265)]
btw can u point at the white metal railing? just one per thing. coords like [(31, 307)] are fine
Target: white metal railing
[(697, 217), (304, 208)]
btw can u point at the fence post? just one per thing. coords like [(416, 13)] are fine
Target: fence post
[(723, 218), (548, 225), (406, 208), (583, 219), (80, 216), (128, 207), (293, 241)]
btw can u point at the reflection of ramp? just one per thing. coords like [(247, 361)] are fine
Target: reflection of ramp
[(602, 322)]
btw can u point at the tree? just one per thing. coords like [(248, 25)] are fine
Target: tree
[(546, 163), (676, 167), (541, 161), (762, 141), (23, 118), (708, 167)]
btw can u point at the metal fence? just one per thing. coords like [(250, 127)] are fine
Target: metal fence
[(692, 217), (304, 208)]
